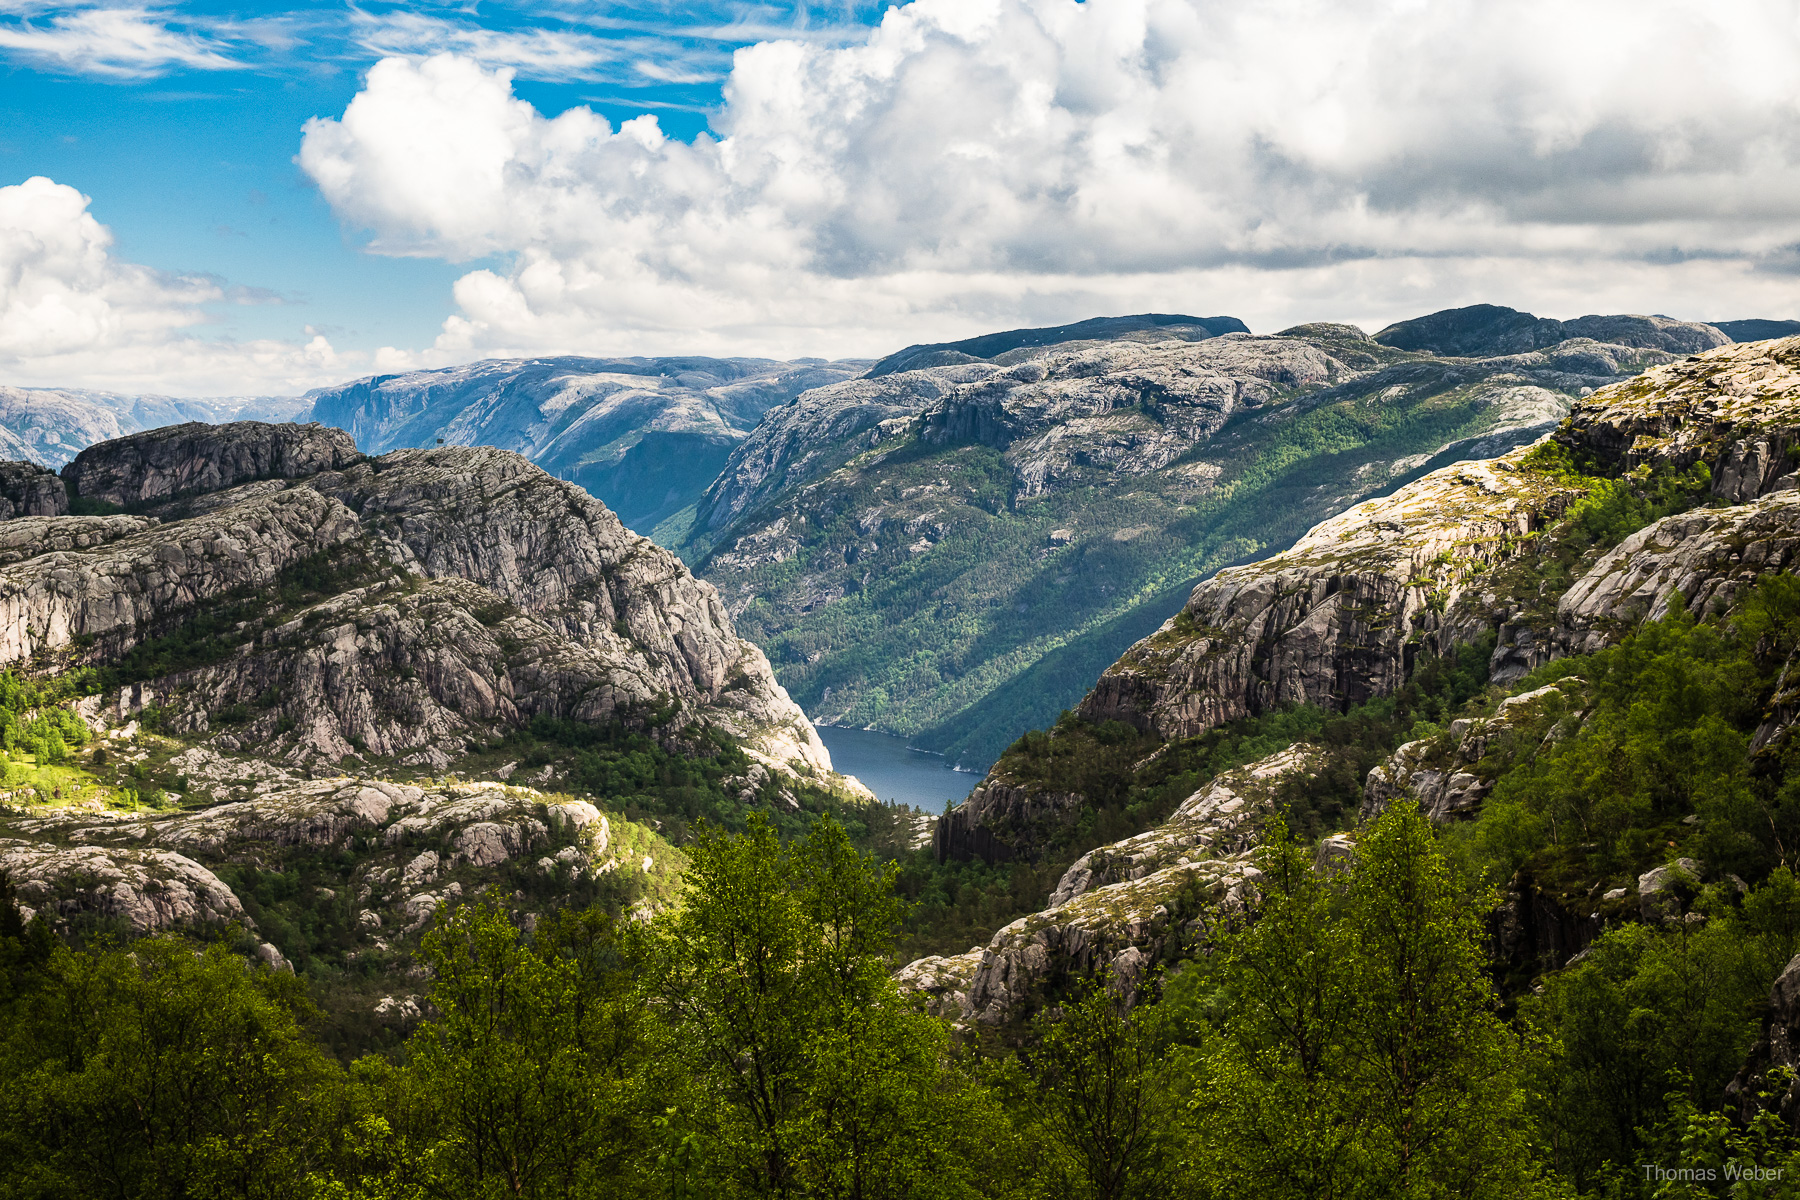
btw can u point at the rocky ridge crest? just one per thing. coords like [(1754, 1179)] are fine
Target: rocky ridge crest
[(1338, 618), (391, 609)]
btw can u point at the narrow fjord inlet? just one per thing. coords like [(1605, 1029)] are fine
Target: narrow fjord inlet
[(933, 600)]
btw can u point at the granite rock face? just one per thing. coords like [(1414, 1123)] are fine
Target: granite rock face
[(1340, 617), (161, 463), (991, 346), (1707, 557), (1221, 820), (1737, 409), (1448, 560), (116, 591), (1122, 907), (1002, 821), (453, 594), (28, 490)]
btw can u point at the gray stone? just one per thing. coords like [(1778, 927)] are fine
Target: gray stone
[(178, 459), (29, 490), (1659, 889)]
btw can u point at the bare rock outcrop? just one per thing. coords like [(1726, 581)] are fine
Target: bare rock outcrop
[(1002, 821), (463, 591), (1338, 618), (1707, 556), (28, 490), (147, 889), (118, 590), (1491, 329), (412, 846), (1444, 774), (177, 459), (1736, 408), (1221, 820), (1124, 906), (28, 537)]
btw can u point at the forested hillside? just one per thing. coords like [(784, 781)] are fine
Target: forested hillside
[(953, 548)]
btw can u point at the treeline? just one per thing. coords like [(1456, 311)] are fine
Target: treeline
[(1346, 1043)]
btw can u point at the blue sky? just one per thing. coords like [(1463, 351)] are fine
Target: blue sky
[(201, 198), (192, 166)]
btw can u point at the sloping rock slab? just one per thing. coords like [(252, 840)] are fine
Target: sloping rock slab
[(1338, 618)]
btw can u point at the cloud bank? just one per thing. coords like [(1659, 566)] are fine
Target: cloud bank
[(71, 310), (983, 160)]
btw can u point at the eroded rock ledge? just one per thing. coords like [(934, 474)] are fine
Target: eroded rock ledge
[(1125, 906)]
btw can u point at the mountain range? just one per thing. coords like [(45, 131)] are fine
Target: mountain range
[(1512, 737), (950, 542)]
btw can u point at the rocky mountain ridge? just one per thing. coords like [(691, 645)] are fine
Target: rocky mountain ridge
[(645, 435), (1344, 615), (462, 591), (406, 678), (953, 552)]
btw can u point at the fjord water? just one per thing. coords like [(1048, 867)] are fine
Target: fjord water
[(895, 773)]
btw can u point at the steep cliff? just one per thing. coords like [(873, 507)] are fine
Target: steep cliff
[(28, 490), (955, 551), (395, 609), (1339, 617)]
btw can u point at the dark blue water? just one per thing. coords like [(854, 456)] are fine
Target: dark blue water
[(894, 773)]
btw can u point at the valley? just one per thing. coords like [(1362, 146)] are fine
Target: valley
[(407, 729)]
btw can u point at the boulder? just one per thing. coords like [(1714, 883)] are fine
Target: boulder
[(1662, 891)]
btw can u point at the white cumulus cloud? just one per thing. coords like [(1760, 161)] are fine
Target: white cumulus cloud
[(975, 161), (71, 310)]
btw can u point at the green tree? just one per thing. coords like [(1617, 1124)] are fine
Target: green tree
[(162, 1072), (1361, 1054), (813, 1078), (529, 1079), (1103, 1096)]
